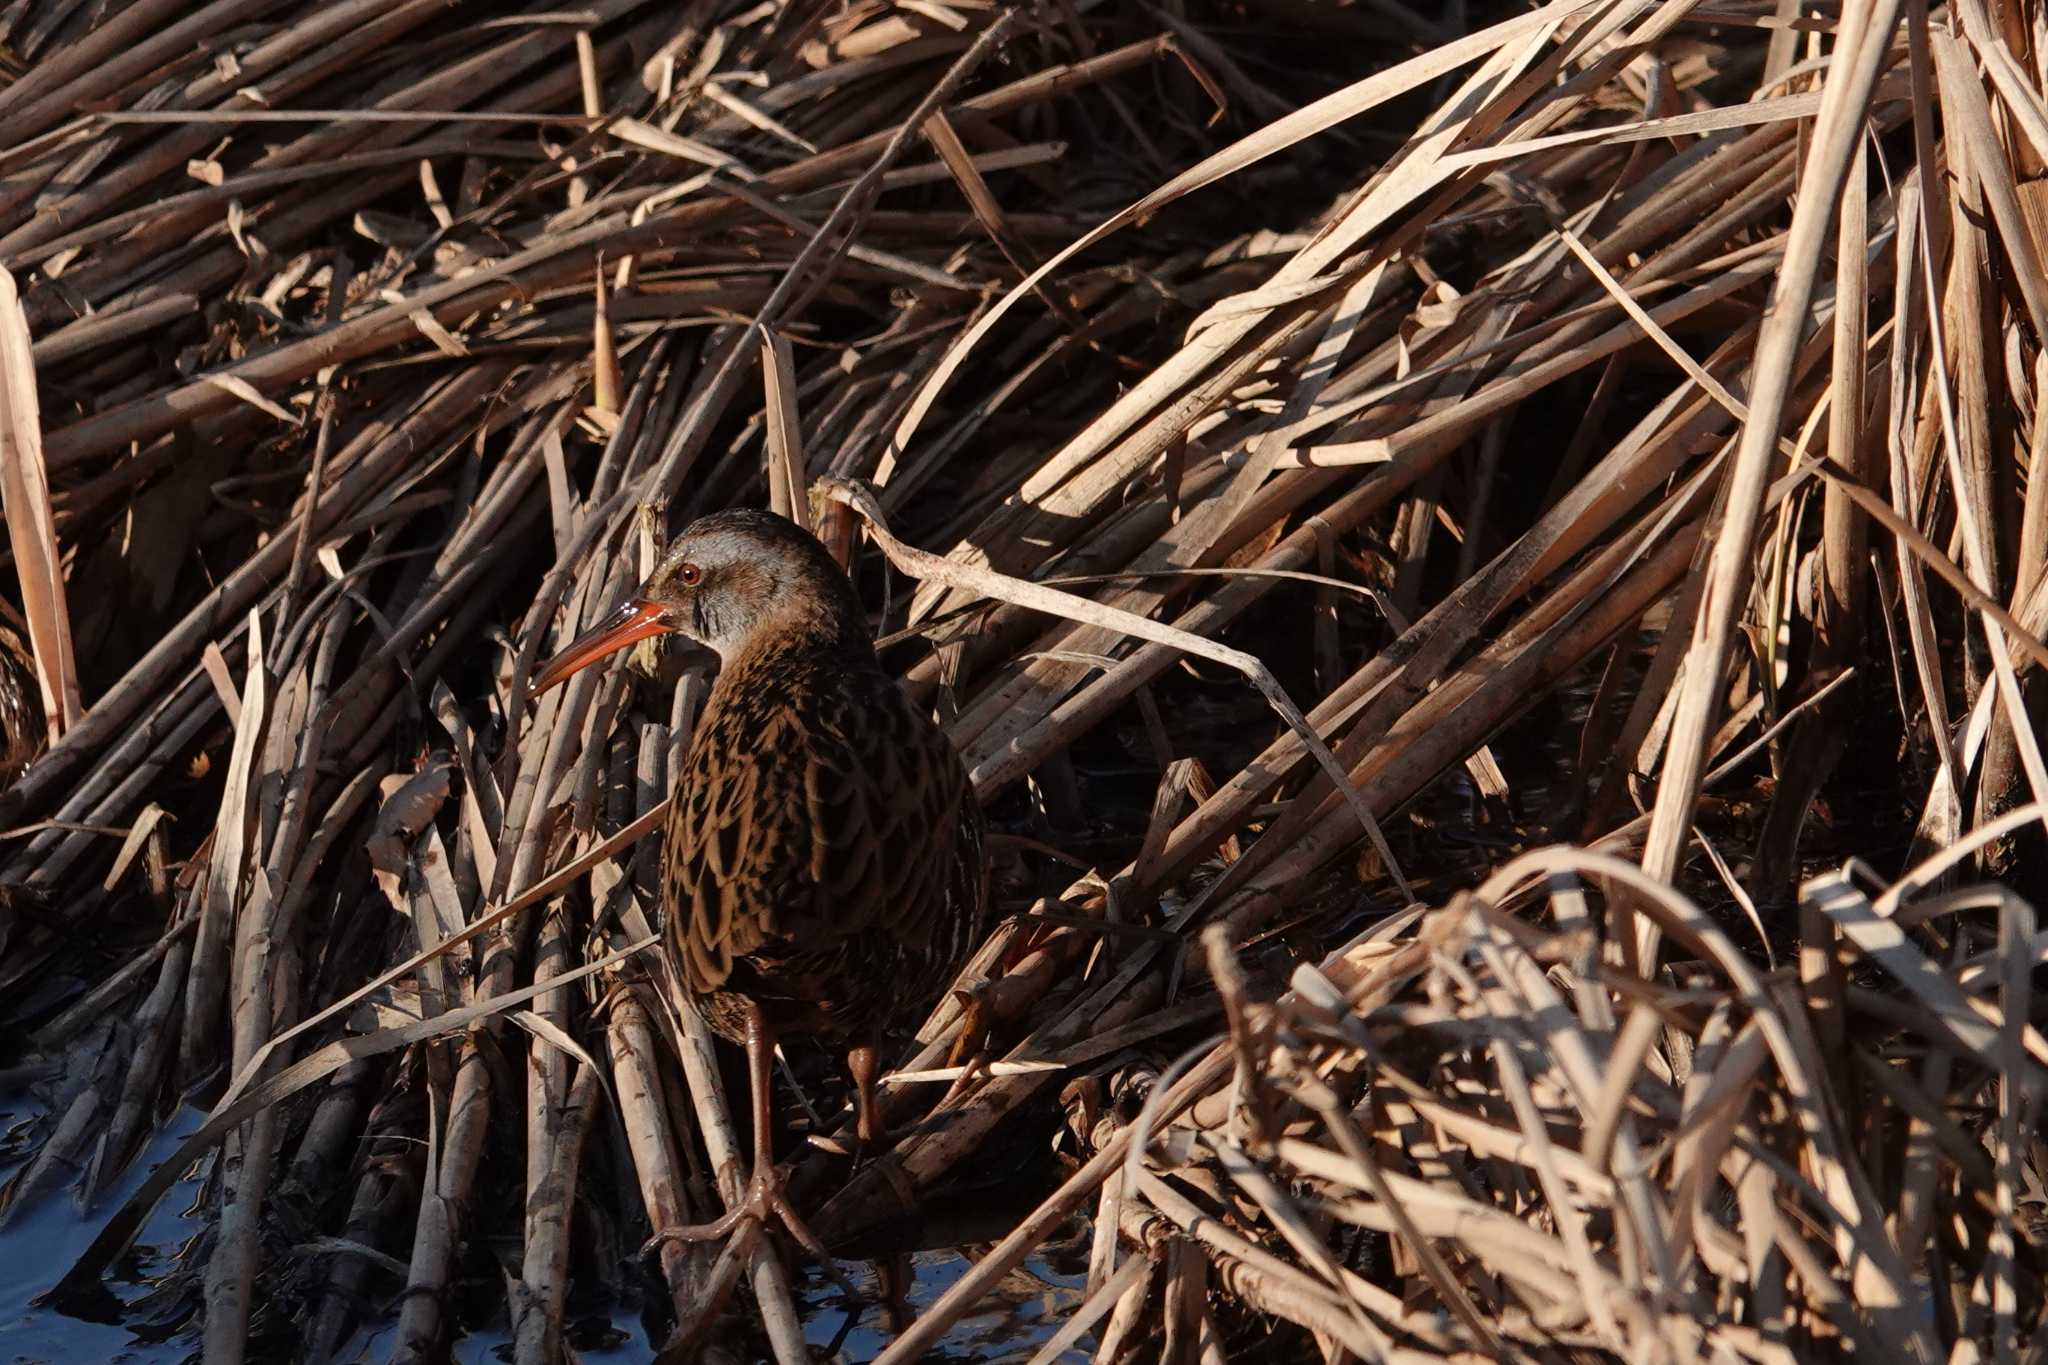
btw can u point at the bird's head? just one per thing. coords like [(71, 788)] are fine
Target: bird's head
[(728, 581)]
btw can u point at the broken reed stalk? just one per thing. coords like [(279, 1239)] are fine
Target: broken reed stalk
[(1495, 389)]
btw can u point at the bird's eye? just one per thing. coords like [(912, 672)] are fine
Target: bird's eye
[(689, 575)]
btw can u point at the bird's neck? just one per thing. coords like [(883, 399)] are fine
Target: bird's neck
[(803, 637)]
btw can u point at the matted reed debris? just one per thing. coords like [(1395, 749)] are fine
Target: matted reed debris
[(1319, 452), (1464, 1134)]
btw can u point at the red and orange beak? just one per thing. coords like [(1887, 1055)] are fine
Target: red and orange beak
[(633, 622)]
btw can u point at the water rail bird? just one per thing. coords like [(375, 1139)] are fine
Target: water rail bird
[(823, 870)]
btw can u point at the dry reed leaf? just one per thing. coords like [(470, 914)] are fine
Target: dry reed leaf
[(216, 665), (218, 914), (654, 139), (132, 844), (552, 1033), (31, 530), (247, 392), (789, 492), (604, 352)]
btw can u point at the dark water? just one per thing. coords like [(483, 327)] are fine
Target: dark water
[(1031, 1304), (42, 1242)]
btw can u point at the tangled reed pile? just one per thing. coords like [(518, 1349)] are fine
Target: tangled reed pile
[(1314, 416)]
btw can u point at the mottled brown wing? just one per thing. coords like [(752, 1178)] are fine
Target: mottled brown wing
[(733, 809), (815, 852), (882, 789)]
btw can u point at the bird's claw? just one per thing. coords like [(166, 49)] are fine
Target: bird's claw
[(763, 1198), (764, 1195)]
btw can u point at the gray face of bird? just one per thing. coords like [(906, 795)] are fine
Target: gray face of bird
[(730, 580), (714, 590), (729, 577)]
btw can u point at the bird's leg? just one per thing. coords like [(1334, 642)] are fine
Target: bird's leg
[(892, 1272), (763, 1198), (974, 1012), (763, 1190), (865, 1062), (892, 1281)]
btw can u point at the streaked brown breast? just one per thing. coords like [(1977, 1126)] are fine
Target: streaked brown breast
[(824, 853)]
